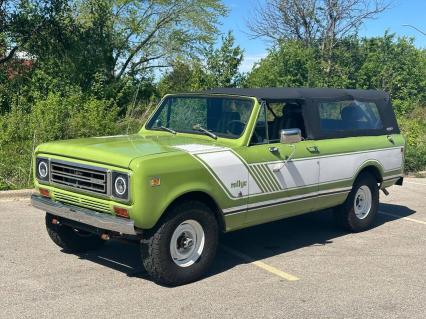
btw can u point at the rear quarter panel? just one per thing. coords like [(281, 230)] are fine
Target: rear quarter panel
[(342, 159)]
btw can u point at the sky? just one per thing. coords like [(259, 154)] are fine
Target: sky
[(401, 12)]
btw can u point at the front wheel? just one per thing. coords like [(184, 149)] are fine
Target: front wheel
[(359, 210), (182, 248)]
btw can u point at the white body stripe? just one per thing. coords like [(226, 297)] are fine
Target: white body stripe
[(297, 173), (345, 166), (230, 170), (199, 148), (285, 200)]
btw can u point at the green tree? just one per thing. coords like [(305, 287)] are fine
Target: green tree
[(216, 67), (386, 63), (223, 63), (184, 76), (290, 64), (397, 67)]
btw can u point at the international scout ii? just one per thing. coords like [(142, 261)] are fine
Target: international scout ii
[(216, 162)]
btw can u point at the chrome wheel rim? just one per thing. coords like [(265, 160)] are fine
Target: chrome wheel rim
[(362, 202), (187, 243)]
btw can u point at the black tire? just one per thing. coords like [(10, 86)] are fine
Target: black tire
[(345, 215), (156, 250), (70, 239)]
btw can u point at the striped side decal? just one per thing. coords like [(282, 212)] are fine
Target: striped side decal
[(265, 177), (239, 179), (285, 200), (257, 177)]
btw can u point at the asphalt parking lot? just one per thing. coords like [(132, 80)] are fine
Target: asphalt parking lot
[(302, 267)]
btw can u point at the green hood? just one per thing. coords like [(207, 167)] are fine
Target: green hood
[(115, 150)]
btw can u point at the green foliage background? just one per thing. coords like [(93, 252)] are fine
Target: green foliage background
[(77, 87)]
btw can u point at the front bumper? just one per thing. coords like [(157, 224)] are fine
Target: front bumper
[(84, 216)]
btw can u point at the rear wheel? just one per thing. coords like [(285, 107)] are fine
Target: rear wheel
[(182, 248), (360, 208), (71, 239)]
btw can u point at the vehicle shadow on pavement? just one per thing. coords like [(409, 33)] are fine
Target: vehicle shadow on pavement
[(280, 237), (119, 255), (259, 242)]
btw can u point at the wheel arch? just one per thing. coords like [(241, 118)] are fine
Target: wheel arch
[(202, 197), (372, 167)]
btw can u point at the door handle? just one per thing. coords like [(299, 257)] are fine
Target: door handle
[(313, 149), (390, 139), (273, 149)]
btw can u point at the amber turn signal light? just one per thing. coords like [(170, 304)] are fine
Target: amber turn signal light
[(44, 192), (155, 181), (121, 212)]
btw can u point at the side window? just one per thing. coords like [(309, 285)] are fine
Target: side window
[(286, 115), (277, 116), (349, 116)]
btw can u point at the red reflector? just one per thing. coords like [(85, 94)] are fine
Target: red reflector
[(44, 192), (122, 212)]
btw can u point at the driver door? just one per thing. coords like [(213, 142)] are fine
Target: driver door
[(287, 174)]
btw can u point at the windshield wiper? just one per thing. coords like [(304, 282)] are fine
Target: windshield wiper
[(199, 128), (167, 129)]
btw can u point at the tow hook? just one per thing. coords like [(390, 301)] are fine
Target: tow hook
[(105, 236)]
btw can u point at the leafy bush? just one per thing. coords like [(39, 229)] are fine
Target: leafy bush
[(413, 127), (55, 117), (15, 165)]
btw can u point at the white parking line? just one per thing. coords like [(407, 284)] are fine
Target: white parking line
[(406, 218), (260, 264), (410, 182), (114, 262)]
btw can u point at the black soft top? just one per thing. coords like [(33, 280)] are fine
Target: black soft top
[(311, 98), (302, 93)]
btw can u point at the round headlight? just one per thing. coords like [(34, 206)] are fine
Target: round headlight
[(120, 185), (42, 169)]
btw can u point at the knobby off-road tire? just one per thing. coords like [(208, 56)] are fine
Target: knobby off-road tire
[(72, 240), (163, 250), (359, 211)]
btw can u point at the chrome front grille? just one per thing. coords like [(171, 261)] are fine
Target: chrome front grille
[(81, 177)]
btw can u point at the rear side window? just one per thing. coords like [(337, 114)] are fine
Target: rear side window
[(349, 116)]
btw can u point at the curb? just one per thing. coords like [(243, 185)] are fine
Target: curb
[(15, 194)]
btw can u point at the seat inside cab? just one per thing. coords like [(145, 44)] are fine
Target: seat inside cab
[(279, 116)]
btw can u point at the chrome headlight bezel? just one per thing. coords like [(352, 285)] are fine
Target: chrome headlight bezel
[(42, 162)]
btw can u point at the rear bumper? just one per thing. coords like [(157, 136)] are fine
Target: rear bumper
[(85, 216)]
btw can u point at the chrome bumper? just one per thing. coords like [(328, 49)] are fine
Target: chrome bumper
[(85, 216)]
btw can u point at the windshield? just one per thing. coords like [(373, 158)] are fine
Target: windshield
[(213, 116)]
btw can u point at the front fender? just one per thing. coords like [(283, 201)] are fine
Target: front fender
[(179, 174)]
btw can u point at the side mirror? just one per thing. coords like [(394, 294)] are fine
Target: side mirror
[(290, 136)]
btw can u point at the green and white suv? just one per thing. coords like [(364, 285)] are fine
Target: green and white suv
[(216, 162)]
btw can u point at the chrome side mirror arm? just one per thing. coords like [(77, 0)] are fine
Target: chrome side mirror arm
[(278, 167)]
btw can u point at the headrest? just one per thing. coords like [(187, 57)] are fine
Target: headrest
[(352, 113), (291, 108)]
